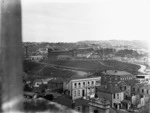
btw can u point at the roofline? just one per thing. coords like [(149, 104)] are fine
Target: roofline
[(85, 78)]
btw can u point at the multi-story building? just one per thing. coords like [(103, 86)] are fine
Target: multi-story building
[(145, 92), (113, 76), (112, 93), (81, 87)]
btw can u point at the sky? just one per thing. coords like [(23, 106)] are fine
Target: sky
[(76, 20)]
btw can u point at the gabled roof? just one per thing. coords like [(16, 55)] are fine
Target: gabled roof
[(80, 77)]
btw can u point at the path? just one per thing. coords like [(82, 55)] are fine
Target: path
[(104, 64)]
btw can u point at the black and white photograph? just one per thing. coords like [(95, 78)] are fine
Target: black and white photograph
[(75, 56)]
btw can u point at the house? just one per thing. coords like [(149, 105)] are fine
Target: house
[(79, 87), (137, 90), (144, 91), (112, 93), (37, 82), (36, 58), (126, 88)]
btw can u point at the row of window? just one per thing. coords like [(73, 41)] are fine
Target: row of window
[(126, 78), (83, 84), (146, 91), (122, 78), (116, 96)]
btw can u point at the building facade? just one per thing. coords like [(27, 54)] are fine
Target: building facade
[(113, 76), (82, 87), (112, 93)]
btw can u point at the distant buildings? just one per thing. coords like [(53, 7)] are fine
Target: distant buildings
[(143, 78), (82, 87), (36, 58), (60, 54)]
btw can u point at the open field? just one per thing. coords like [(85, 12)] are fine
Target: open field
[(38, 70), (66, 69), (99, 65)]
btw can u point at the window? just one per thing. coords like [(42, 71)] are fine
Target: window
[(147, 91), (75, 85), (83, 84), (74, 93), (92, 82), (114, 96), (133, 89), (88, 83), (78, 92), (142, 90), (79, 85), (118, 96), (125, 87)]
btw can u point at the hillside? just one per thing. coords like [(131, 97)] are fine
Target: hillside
[(98, 65), (37, 70)]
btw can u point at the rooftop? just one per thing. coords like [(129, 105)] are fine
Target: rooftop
[(81, 77), (66, 101), (115, 72), (110, 88)]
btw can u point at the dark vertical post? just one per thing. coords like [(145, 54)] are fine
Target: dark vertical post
[(11, 56)]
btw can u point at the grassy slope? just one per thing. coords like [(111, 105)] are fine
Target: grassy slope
[(91, 65), (34, 68), (95, 65)]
